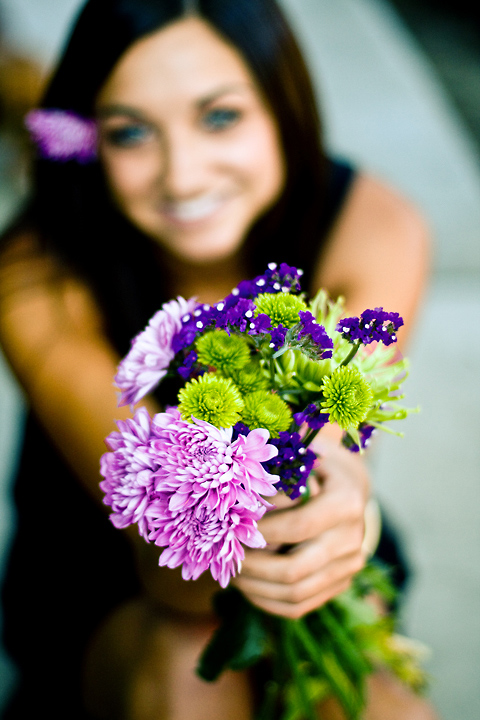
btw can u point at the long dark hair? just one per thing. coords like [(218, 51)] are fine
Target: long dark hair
[(70, 206)]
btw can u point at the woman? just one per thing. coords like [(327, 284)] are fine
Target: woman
[(209, 166)]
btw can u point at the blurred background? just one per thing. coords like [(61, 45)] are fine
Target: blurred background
[(399, 85)]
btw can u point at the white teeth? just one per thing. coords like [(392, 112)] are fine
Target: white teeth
[(191, 210)]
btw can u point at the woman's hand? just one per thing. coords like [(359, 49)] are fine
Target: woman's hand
[(326, 533)]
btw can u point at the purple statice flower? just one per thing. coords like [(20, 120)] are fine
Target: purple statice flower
[(312, 416), (277, 337), (293, 464), (208, 494), (237, 314), (128, 471), (151, 352), (62, 135), (277, 278), (187, 368), (193, 323), (260, 325), (318, 334), (365, 431), (372, 326)]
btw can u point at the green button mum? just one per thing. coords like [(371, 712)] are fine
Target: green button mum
[(264, 409), (249, 378), (347, 397), (222, 351), (281, 308), (211, 398)]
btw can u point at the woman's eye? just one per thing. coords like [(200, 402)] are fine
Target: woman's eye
[(220, 118), (128, 135)]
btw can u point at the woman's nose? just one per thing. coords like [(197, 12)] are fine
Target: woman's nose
[(184, 167)]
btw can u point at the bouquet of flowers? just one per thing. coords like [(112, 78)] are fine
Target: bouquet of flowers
[(258, 375)]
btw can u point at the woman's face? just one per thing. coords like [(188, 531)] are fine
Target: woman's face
[(190, 149)]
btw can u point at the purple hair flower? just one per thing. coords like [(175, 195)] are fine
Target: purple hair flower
[(62, 135), (151, 352), (372, 326)]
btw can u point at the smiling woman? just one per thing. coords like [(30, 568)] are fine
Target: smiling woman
[(209, 166), (192, 154)]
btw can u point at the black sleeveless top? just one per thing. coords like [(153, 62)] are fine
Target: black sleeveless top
[(68, 566)]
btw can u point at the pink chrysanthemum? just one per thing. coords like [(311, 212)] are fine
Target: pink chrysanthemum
[(62, 135), (190, 489), (208, 495), (151, 352), (128, 471), (198, 463), (198, 539)]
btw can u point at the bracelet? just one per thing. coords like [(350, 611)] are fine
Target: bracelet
[(373, 527)]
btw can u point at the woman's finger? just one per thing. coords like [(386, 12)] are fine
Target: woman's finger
[(339, 505), (304, 559), (297, 610), (311, 586)]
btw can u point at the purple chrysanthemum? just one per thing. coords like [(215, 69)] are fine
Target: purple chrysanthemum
[(128, 471), (62, 135), (151, 352), (372, 326)]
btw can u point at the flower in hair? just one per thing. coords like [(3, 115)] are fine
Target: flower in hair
[(62, 135)]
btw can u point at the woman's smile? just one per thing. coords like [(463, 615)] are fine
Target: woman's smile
[(189, 213)]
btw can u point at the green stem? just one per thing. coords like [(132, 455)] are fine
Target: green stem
[(351, 354), (332, 671), (310, 436), (268, 708), (288, 640), (342, 640)]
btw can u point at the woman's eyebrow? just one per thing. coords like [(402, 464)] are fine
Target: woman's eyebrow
[(107, 111), (223, 90), (115, 109)]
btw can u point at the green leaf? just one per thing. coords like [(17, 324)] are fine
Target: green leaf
[(240, 641)]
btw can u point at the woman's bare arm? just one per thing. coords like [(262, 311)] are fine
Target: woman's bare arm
[(52, 334)]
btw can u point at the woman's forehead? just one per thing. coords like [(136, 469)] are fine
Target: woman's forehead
[(187, 58)]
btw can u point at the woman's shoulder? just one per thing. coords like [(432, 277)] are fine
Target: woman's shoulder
[(40, 301), (378, 248)]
